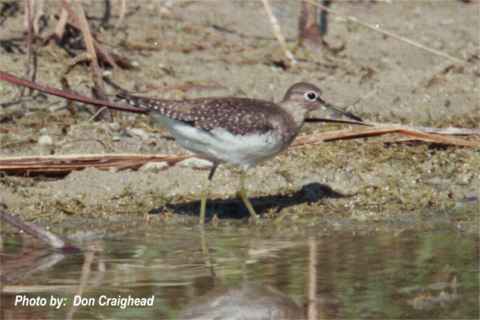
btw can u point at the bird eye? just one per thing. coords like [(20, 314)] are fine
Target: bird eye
[(311, 96)]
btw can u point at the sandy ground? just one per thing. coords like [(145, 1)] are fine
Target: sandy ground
[(228, 46)]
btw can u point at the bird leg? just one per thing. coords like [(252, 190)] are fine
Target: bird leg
[(242, 193), (205, 192)]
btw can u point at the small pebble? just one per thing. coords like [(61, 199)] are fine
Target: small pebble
[(139, 133), (45, 140), (115, 126)]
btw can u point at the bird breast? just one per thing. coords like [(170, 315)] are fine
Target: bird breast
[(220, 145)]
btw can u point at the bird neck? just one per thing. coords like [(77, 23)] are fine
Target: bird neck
[(296, 111)]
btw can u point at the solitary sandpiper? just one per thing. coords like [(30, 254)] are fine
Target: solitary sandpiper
[(239, 131)]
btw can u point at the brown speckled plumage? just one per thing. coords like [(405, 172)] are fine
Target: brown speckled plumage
[(239, 116)]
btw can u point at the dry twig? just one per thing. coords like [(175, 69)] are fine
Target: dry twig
[(345, 134), (31, 62), (63, 164), (89, 44), (123, 11), (37, 232), (308, 26), (62, 23), (67, 94), (278, 32)]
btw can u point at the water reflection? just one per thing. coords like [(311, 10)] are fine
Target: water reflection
[(254, 273), (248, 301)]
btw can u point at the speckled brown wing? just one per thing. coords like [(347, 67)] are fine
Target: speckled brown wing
[(240, 116)]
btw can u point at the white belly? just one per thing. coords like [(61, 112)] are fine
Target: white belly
[(221, 146)]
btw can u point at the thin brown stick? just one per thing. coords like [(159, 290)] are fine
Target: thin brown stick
[(35, 231), (101, 53), (107, 14), (31, 61), (67, 94), (443, 131), (89, 44), (123, 11), (84, 57), (76, 22), (438, 131), (38, 13), (278, 32), (306, 20), (62, 23), (371, 132), (312, 23), (62, 164)]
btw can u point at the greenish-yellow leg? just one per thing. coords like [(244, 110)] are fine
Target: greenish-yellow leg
[(203, 202), (205, 193), (242, 193)]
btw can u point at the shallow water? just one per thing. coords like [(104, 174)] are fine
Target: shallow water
[(239, 272)]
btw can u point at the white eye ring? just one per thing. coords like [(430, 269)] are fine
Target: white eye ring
[(310, 96)]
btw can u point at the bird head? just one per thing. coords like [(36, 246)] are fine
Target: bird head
[(309, 98)]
